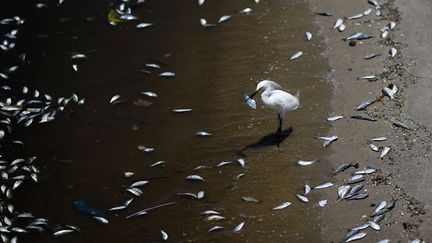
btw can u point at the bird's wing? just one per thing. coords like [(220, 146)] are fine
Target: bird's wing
[(283, 100)]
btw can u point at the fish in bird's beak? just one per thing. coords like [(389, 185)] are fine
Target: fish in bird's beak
[(249, 99)]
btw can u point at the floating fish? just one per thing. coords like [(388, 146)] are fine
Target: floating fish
[(249, 199), (223, 163), (158, 163), (164, 235), (216, 228), (63, 232), (282, 206), (115, 99), (135, 191), (224, 18), (182, 110), (75, 67), (214, 217), (239, 227), (308, 36), (241, 162), (334, 118), (128, 174), (305, 162), (210, 212), (149, 94), (101, 220), (194, 178), (203, 134), (201, 2), (363, 117), (145, 149), (296, 55), (78, 56), (166, 74), (245, 11), (153, 65), (144, 25)]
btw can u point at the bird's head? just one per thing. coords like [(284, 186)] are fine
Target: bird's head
[(264, 85)]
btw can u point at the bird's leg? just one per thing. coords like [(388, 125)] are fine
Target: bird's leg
[(279, 132)]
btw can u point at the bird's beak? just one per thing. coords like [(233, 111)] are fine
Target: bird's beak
[(254, 93)]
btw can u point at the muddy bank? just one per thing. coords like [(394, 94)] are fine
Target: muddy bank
[(401, 171)]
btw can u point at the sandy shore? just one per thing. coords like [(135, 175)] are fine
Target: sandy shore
[(404, 172)]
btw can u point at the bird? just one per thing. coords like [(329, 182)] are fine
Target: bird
[(275, 98)]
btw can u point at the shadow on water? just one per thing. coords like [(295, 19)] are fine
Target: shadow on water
[(265, 141)]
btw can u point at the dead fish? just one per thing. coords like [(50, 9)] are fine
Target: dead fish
[(199, 195), (363, 117), (371, 55), (194, 178), (379, 139), (378, 12), (203, 23), (249, 199), (323, 185), (393, 51), (223, 163), (101, 219), (358, 36), (210, 212), (75, 67), (158, 163), (374, 226), (145, 149), (390, 91), (214, 217), (128, 174), (327, 14), (135, 191), (392, 25), (164, 235), (373, 147), (203, 134), (308, 36), (115, 99), (355, 179), (245, 11), (282, 206), (239, 227), (166, 74), (342, 27), (201, 2), (153, 65), (384, 151), (357, 16), (63, 232), (302, 198), (241, 162), (365, 171), (341, 168), (364, 105), (370, 78), (367, 12), (334, 118), (250, 102), (182, 110), (144, 25), (202, 167), (78, 56), (306, 189), (380, 206), (296, 55), (305, 162), (149, 94), (357, 196), (216, 228), (343, 191), (328, 140), (338, 23), (383, 241), (374, 3), (224, 18), (384, 34), (400, 124)]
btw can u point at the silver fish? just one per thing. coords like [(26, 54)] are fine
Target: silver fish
[(306, 189), (371, 55), (139, 183), (393, 51), (296, 55), (383, 241), (341, 168), (75, 67), (384, 151), (144, 25), (224, 18), (338, 23), (381, 206), (342, 27), (305, 162), (374, 226), (210, 212), (364, 117), (343, 191), (365, 171), (367, 12), (114, 99), (101, 219), (334, 118), (302, 198), (201, 2), (63, 232), (364, 105), (167, 74), (149, 94), (153, 65), (214, 217), (357, 16), (355, 179), (373, 147), (392, 25), (282, 206), (245, 11), (203, 134), (216, 228), (249, 199), (379, 139), (164, 235), (239, 227), (324, 185), (251, 102), (135, 191), (194, 178), (384, 34), (78, 56), (241, 162), (158, 163), (223, 163), (182, 110), (401, 125), (370, 77), (357, 196), (308, 36)]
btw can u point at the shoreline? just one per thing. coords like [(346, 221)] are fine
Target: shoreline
[(396, 179)]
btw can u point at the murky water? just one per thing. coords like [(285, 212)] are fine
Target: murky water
[(85, 152)]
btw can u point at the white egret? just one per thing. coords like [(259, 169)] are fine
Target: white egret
[(275, 98)]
